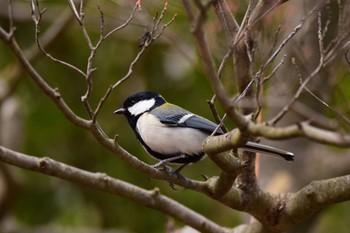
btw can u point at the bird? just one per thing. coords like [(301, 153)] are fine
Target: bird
[(173, 134)]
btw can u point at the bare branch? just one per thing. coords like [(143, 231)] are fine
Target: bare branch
[(262, 9), (227, 20), (275, 40), (126, 23), (259, 87), (120, 81), (316, 196), (209, 67), (37, 16), (336, 113), (45, 87), (281, 46), (303, 129), (268, 77), (315, 117), (99, 181), (75, 12), (218, 120), (297, 94), (150, 37), (323, 59)]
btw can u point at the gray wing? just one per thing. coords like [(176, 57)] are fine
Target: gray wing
[(201, 123), (180, 117)]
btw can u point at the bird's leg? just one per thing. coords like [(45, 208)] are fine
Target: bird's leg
[(174, 172), (169, 160), (177, 173)]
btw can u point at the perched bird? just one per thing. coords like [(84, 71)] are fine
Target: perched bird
[(173, 134)]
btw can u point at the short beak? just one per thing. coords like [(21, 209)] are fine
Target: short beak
[(120, 111)]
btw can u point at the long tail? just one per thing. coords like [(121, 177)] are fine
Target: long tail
[(269, 150)]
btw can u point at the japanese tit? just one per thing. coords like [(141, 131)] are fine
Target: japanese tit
[(172, 134)]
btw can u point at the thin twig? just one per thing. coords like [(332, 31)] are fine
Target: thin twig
[(14, 71), (90, 69), (126, 23), (37, 16), (224, 61), (120, 81), (226, 18), (274, 54), (268, 77), (153, 35), (46, 88), (307, 80), (75, 12), (275, 40), (156, 36), (283, 43), (337, 113), (219, 120)]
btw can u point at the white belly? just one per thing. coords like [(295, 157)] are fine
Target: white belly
[(169, 140)]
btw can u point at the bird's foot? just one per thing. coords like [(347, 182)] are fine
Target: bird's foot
[(161, 163), (172, 174)]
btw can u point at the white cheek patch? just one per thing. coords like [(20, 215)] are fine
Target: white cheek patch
[(141, 107)]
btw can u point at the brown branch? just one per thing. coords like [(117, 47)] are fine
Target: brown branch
[(315, 117), (13, 72), (300, 90), (75, 12), (227, 20), (99, 181), (93, 50), (37, 16), (313, 197), (45, 87), (263, 8), (153, 35), (210, 69), (303, 129), (316, 196)]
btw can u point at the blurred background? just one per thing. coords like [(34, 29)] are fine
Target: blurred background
[(30, 123)]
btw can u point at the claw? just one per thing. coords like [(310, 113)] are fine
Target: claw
[(171, 172)]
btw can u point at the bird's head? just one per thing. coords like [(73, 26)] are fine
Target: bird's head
[(136, 105)]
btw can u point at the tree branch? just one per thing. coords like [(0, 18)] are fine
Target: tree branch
[(45, 87), (99, 181), (316, 196)]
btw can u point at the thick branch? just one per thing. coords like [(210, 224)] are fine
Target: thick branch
[(227, 20), (303, 129), (99, 181), (316, 196)]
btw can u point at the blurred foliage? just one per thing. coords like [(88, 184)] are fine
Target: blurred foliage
[(170, 67)]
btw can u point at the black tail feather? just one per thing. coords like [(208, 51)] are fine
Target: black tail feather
[(269, 150)]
